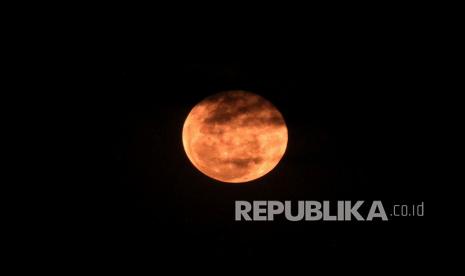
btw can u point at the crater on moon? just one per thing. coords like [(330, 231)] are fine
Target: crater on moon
[(234, 136)]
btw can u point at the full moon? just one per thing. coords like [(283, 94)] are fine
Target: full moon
[(234, 136)]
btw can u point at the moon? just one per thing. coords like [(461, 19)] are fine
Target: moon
[(235, 136)]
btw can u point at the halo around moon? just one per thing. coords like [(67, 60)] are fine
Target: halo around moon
[(235, 136)]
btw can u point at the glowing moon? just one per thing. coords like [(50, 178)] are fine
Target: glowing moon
[(234, 136)]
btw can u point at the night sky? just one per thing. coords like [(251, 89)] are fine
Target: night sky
[(355, 133)]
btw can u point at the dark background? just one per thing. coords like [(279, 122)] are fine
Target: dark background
[(357, 131)]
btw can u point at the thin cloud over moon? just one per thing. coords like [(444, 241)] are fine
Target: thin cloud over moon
[(235, 136)]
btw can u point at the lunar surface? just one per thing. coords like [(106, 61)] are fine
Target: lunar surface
[(234, 136)]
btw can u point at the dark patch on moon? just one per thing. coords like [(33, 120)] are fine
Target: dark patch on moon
[(243, 162), (229, 105)]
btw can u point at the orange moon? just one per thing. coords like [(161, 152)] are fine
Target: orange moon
[(234, 136)]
